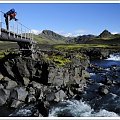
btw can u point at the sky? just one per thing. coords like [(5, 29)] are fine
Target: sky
[(69, 19)]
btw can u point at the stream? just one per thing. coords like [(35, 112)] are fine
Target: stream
[(100, 70)]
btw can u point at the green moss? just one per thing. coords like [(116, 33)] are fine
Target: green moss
[(3, 53), (58, 60), (71, 47)]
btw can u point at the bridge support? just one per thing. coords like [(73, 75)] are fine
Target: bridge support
[(27, 49)]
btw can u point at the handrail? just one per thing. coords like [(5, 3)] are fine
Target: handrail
[(16, 28)]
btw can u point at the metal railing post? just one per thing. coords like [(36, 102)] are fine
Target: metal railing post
[(17, 28), (0, 23), (25, 33), (29, 34), (8, 25), (14, 28), (21, 31), (32, 36)]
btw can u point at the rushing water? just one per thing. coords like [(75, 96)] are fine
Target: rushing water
[(114, 59), (76, 108)]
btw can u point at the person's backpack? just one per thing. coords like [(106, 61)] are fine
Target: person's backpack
[(10, 11)]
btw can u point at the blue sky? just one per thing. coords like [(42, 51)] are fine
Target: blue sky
[(68, 18)]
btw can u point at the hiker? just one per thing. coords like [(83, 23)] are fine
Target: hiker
[(9, 16)]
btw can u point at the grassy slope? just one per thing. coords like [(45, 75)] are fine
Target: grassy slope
[(72, 47), (41, 40), (113, 40)]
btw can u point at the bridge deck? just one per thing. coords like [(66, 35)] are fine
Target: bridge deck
[(13, 37)]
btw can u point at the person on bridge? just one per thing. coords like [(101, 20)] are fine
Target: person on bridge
[(10, 15)]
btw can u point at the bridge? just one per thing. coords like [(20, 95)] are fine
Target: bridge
[(17, 33)]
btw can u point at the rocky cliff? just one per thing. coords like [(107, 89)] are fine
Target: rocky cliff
[(50, 77)]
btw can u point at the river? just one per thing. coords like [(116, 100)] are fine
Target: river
[(75, 108)]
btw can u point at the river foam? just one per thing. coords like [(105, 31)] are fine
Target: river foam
[(76, 108), (114, 57)]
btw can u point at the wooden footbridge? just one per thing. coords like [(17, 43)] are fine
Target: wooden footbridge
[(17, 33)]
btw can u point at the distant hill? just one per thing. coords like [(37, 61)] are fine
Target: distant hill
[(105, 34), (50, 37)]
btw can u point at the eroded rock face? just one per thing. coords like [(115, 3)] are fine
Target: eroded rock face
[(27, 80)]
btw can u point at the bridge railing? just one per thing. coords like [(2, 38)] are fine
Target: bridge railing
[(15, 27)]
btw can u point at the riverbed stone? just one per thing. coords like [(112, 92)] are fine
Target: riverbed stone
[(103, 90), (16, 103)]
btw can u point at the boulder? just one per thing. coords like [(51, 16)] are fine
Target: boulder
[(36, 85), (1, 86), (59, 96), (31, 91), (85, 74), (103, 90), (10, 84), (50, 96), (16, 103), (55, 76), (31, 98), (26, 81), (21, 68), (4, 95), (8, 68), (1, 76), (19, 93)]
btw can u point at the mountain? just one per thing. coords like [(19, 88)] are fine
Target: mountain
[(50, 37), (105, 34), (84, 38)]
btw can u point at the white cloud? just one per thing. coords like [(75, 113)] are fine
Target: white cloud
[(72, 34), (61, 32), (115, 32), (36, 32)]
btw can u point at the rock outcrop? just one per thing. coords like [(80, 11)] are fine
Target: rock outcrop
[(42, 81)]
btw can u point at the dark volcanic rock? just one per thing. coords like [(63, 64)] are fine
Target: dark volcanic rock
[(19, 93), (30, 81), (4, 95), (8, 83), (60, 95)]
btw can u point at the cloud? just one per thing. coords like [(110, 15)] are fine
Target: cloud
[(115, 32), (72, 34), (61, 32), (36, 32)]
